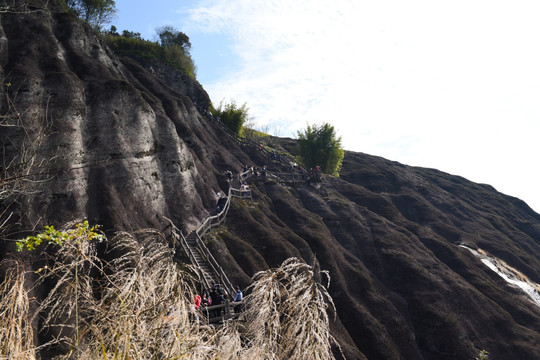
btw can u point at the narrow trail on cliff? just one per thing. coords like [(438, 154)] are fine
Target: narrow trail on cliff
[(287, 173)]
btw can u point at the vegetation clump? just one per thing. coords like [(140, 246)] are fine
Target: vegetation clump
[(319, 146), (232, 115), (287, 313), (16, 333), (52, 236), (173, 48), (95, 12), (133, 302), (482, 355)]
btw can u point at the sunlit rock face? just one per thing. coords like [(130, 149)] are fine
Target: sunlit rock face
[(125, 145), (122, 148)]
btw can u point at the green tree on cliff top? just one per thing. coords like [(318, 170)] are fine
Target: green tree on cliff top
[(319, 146), (232, 115), (95, 12)]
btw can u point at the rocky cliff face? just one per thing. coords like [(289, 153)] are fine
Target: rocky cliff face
[(125, 144)]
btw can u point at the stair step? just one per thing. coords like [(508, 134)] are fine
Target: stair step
[(206, 271)]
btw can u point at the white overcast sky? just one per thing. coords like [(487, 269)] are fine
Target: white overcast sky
[(452, 85)]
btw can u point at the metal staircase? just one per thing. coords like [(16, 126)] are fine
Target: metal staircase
[(209, 271), (205, 270)]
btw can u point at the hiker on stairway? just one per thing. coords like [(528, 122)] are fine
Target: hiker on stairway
[(244, 189), (196, 305), (198, 301), (222, 201), (238, 296), (216, 300), (206, 300), (221, 291)]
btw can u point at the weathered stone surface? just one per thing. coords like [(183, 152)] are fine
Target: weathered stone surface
[(126, 148)]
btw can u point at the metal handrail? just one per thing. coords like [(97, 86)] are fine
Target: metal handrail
[(215, 220), (218, 219), (179, 236), (242, 194), (209, 223), (216, 268), (227, 314)]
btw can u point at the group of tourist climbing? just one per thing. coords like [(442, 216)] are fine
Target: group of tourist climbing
[(217, 295), (313, 175), (251, 171)]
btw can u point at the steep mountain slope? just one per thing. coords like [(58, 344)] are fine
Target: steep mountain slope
[(402, 285), (127, 145)]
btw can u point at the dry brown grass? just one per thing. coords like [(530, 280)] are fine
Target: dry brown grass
[(136, 304), (287, 314), (16, 335)]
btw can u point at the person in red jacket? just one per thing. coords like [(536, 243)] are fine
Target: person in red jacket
[(196, 306)]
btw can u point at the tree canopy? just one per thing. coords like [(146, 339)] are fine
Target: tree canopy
[(169, 36), (319, 146), (232, 115), (95, 12)]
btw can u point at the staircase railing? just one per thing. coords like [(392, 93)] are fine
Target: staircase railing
[(224, 310), (180, 238), (216, 220), (216, 268), (242, 194), (210, 223)]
